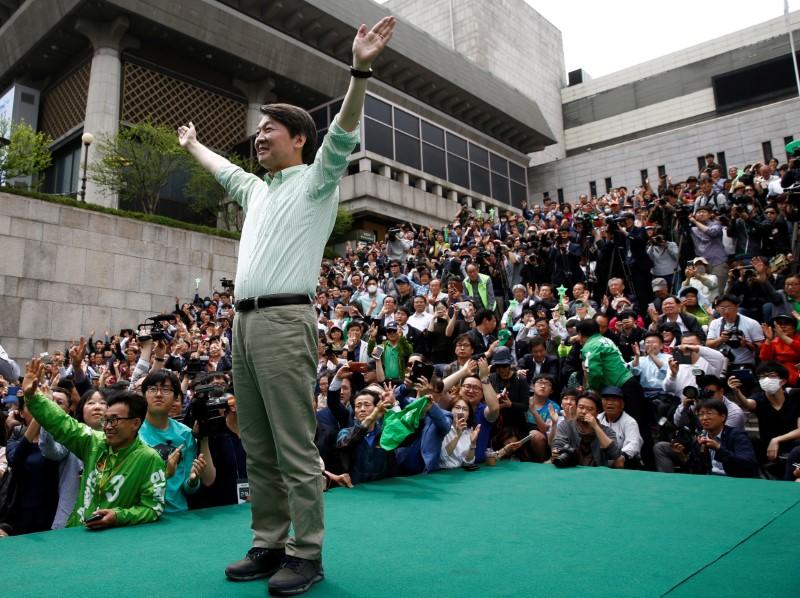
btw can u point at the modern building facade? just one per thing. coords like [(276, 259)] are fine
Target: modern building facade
[(437, 130), (470, 104)]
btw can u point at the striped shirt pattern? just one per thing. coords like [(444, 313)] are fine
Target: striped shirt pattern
[(288, 218)]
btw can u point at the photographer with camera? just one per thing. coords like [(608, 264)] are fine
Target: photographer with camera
[(584, 440), (664, 255), (185, 467), (706, 234), (565, 260), (698, 277), (718, 449), (735, 335)]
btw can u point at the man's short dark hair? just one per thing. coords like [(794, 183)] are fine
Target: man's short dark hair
[(137, 406), (592, 396), (464, 337), (729, 298), (772, 367), (587, 328), (714, 405), (404, 309), (161, 376), (483, 315), (537, 341), (298, 122)]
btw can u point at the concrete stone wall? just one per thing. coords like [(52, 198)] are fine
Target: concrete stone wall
[(739, 135), (66, 271), (509, 39)]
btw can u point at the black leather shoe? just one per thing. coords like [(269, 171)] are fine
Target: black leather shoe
[(295, 576), (258, 563)]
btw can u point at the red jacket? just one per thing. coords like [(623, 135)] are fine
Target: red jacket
[(787, 354)]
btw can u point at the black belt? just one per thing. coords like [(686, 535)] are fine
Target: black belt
[(271, 301)]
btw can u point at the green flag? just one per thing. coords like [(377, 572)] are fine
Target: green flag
[(398, 425)]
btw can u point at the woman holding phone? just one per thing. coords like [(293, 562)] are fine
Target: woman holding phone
[(458, 446)]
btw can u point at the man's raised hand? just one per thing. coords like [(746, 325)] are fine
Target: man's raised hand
[(368, 44), (187, 135), (33, 373)]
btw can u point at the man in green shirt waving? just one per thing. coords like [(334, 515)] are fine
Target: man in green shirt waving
[(288, 218), (123, 479)]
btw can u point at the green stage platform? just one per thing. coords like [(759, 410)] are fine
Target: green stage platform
[(518, 529)]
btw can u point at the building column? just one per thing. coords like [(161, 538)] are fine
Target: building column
[(103, 100), (258, 93)]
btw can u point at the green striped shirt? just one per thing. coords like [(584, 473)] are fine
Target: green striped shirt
[(288, 218)]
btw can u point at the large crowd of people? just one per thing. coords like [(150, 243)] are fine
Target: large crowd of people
[(648, 328)]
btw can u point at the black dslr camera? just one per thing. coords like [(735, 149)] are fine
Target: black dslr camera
[(392, 233), (567, 457)]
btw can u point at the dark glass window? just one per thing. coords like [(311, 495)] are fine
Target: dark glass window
[(378, 110), (456, 145), (662, 170), (546, 195), (480, 179), (701, 163), (723, 164), (498, 164), (478, 155), (560, 193), (433, 161), (608, 184), (406, 149), (408, 123), (518, 193), (517, 172), (766, 148), (320, 118), (457, 171), (592, 189), (432, 134), (378, 138), (500, 188)]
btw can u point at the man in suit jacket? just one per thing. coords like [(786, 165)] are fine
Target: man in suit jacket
[(539, 362), (482, 334)]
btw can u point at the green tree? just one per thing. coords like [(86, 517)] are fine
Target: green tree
[(27, 154), (342, 226), (207, 197), (137, 163)]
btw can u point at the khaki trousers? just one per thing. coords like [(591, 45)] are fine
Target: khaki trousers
[(274, 351)]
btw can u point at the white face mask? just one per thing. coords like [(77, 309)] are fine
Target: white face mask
[(372, 289), (770, 385)]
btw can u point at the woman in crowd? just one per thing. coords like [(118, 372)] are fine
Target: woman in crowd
[(458, 446)]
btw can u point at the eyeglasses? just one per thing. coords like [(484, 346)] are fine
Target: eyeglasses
[(112, 421), (160, 389), (471, 386)]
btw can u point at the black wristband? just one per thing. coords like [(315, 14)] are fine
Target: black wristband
[(360, 74)]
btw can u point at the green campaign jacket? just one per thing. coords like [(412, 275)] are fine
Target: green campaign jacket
[(132, 481)]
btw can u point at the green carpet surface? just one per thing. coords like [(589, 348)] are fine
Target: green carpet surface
[(518, 529)]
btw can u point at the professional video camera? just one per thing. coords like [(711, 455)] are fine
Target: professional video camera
[(155, 329), (210, 404), (227, 284), (392, 233), (196, 366)]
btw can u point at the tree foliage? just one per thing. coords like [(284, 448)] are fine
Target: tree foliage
[(137, 163), (27, 154), (207, 197)]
